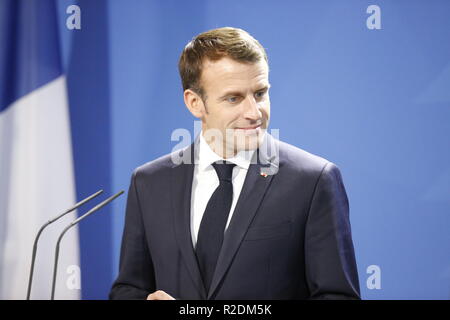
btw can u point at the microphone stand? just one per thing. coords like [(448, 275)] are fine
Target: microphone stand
[(36, 239), (97, 207)]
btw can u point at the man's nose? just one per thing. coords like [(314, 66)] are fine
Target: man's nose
[(252, 111)]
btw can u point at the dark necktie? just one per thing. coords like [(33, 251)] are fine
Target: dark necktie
[(214, 220)]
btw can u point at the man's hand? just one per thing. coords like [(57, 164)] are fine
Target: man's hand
[(159, 295)]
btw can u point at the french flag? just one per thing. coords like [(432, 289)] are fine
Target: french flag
[(36, 164)]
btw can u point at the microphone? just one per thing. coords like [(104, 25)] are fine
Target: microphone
[(94, 209), (45, 225)]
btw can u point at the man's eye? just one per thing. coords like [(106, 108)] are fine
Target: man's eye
[(232, 99), (260, 94)]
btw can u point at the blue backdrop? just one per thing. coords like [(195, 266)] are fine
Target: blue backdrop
[(374, 101)]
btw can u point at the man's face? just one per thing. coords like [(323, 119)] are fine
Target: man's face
[(236, 104)]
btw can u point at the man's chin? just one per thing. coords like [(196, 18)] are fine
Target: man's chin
[(247, 141)]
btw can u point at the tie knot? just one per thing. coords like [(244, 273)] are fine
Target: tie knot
[(224, 170)]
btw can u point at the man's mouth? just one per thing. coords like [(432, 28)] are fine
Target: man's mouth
[(249, 128)]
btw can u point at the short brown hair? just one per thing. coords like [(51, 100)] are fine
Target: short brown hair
[(215, 44)]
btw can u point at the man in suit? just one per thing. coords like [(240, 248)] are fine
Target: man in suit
[(238, 214)]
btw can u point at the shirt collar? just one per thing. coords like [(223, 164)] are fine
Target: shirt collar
[(207, 156)]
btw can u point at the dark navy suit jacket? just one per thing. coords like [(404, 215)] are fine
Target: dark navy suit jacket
[(289, 236)]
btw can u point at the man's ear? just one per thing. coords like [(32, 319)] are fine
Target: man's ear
[(194, 103)]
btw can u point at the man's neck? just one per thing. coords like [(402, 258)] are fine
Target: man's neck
[(220, 147), (207, 155)]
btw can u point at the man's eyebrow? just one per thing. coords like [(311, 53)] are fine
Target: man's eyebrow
[(233, 93), (230, 93), (263, 88)]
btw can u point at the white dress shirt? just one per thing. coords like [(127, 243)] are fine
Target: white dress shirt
[(205, 182)]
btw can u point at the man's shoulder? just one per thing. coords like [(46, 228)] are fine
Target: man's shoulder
[(298, 159), (159, 166)]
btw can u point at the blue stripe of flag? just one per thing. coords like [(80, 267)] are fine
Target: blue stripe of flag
[(29, 47)]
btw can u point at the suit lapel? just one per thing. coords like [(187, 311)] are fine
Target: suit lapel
[(181, 187), (257, 181)]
